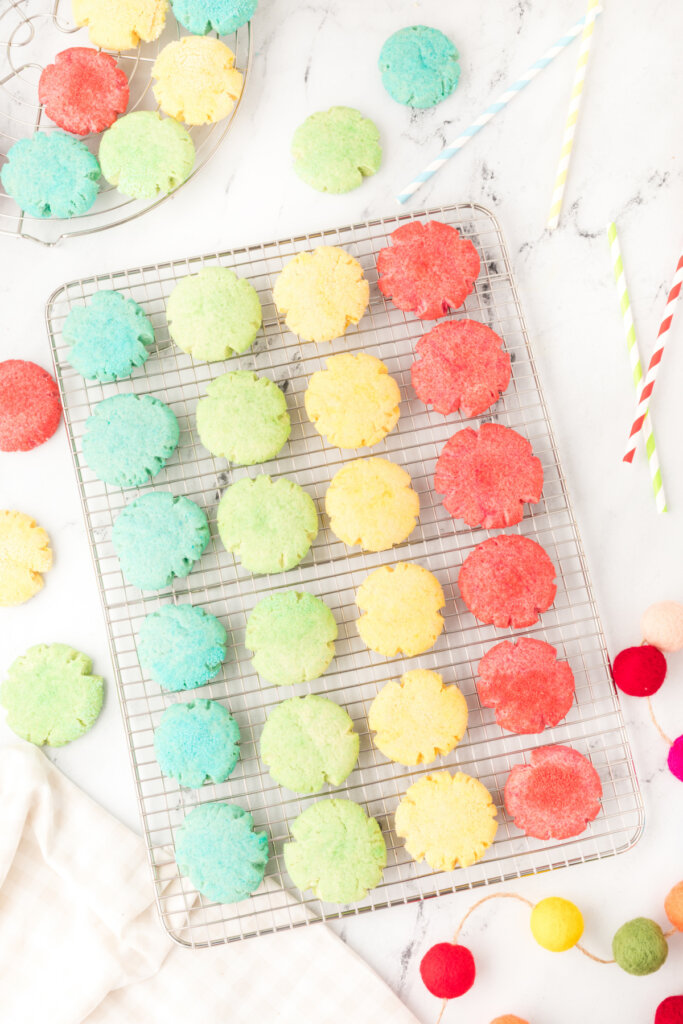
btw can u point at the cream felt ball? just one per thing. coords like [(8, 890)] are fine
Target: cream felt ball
[(556, 924), (662, 625)]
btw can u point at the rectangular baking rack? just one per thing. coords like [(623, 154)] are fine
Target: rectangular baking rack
[(333, 572)]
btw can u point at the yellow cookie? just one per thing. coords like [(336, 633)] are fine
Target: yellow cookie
[(320, 293), (447, 820), (353, 402), (401, 605), (418, 719), (197, 81), (121, 24), (371, 502), (24, 554)]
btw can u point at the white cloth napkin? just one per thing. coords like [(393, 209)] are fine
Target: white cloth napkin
[(81, 942)]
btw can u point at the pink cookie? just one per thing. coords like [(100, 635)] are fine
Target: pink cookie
[(83, 91), (487, 475), (427, 269), (461, 365), (507, 581), (529, 689), (30, 408), (555, 796)]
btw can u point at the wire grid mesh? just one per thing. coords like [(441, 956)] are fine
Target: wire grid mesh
[(333, 572), (32, 32)]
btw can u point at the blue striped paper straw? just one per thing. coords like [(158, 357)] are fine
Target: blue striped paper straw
[(491, 111)]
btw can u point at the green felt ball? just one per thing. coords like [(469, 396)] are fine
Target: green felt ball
[(639, 946)]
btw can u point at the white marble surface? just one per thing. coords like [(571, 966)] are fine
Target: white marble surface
[(315, 53)]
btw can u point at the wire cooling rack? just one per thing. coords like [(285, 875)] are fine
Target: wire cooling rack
[(219, 584), (32, 32)]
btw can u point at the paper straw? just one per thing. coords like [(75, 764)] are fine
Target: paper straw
[(636, 367), (573, 114), (491, 111), (649, 383)]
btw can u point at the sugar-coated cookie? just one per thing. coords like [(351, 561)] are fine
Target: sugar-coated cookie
[(555, 796), (400, 605), (51, 696), (83, 91), (196, 80), (460, 365), (418, 719), (197, 742), (30, 407), (291, 636), (508, 581), (121, 24), (24, 554), (218, 850), (129, 438), (145, 155), (51, 174), (419, 66), (353, 402), (447, 820), (109, 336), (243, 418), (308, 742), (527, 686), (222, 16), (268, 524), (214, 314), (336, 850), (371, 503), (321, 293), (158, 537), (427, 269), (181, 647), (335, 149)]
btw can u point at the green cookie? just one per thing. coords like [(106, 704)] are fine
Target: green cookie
[(292, 637), (335, 149), (337, 851), (145, 155), (50, 695), (213, 314), (269, 524), (244, 418)]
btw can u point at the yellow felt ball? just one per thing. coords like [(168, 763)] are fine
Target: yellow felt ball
[(556, 924)]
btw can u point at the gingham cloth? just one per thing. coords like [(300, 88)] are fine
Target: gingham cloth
[(81, 943)]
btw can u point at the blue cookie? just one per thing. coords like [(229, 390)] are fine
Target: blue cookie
[(218, 850), (419, 66), (51, 174), (181, 647), (222, 16), (128, 439), (108, 337), (197, 742), (157, 537)]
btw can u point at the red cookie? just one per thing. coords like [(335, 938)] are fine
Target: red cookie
[(29, 405), (487, 475), (529, 689), (555, 796), (83, 91), (461, 365), (427, 269), (507, 581)]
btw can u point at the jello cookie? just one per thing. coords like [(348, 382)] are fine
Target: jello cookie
[(196, 80), (51, 174), (291, 636), (335, 149), (218, 850), (221, 16), (197, 742), (30, 407), (214, 314), (243, 418), (556, 795), (181, 647), (129, 438), (321, 293), (508, 581), (109, 336), (353, 402), (529, 689), (121, 24), (83, 91), (24, 554), (401, 609), (371, 503), (145, 155), (419, 66), (308, 742)]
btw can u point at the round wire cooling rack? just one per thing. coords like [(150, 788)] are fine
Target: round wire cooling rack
[(32, 32)]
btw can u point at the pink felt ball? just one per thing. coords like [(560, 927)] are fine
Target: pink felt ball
[(639, 671), (448, 971), (670, 1011), (675, 758), (662, 625)]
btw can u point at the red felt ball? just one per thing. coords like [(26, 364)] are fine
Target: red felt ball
[(670, 1011), (447, 970), (639, 671), (675, 758)]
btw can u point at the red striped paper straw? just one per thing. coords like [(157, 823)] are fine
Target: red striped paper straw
[(651, 375)]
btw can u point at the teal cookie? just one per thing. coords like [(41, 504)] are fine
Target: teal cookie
[(221, 16), (197, 742), (214, 314), (335, 149), (308, 741), (269, 524), (51, 696), (244, 418), (128, 439), (109, 336), (291, 636), (157, 537), (51, 174), (217, 849), (181, 647), (337, 851), (144, 155), (419, 66)]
